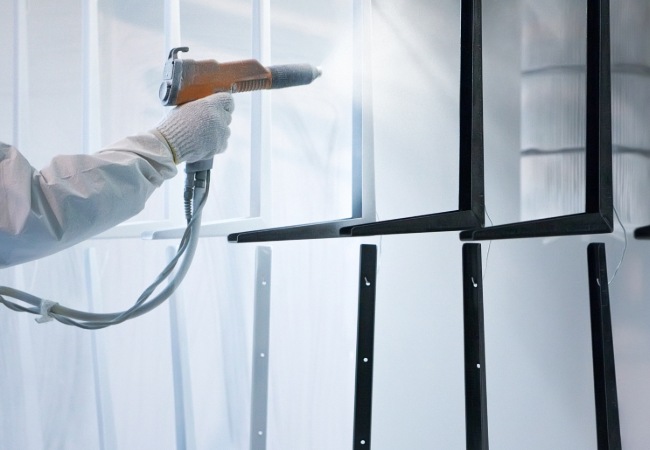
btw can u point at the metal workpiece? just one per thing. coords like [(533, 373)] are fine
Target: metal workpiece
[(365, 347), (261, 333), (602, 344), (598, 215), (471, 197), (181, 373), (471, 209), (476, 423)]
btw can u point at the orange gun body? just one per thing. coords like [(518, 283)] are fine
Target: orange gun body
[(185, 80), (203, 78)]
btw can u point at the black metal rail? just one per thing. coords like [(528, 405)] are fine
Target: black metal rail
[(602, 344), (476, 424), (365, 347)]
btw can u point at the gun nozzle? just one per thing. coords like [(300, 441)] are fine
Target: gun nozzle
[(319, 71)]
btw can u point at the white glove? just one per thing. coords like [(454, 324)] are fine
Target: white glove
[(198, 130)]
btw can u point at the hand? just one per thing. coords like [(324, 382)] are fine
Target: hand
[(198, 130)]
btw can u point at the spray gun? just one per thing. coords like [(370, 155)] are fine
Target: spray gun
[(185, 80)]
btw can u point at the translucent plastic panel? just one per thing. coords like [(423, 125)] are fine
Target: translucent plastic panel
[(6, 72), (312, 125), (54, 71), (553, 108), (131, 58), (313, 345), (137, 354), (222, 31), (554, 33), (219, 314), (416, 78)]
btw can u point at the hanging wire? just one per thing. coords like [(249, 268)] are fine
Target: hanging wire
[(381, 237), (624, 248), (487, 255)]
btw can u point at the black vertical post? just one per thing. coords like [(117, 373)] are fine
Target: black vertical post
[(599, 112), (602, 345), (365, 346), (470, 196), (476, 424)]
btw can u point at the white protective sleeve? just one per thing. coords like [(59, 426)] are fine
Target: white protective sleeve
[(76, 196)]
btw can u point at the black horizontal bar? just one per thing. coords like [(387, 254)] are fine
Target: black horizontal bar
[(642, 232), (476, 423), (602, 344), (584, 223), (446, 221), (365, 347), (322, 230)]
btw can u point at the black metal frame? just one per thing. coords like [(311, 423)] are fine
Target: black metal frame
[(598, 215), (476, 423), (471, 207), (602, 344), (365, 347)]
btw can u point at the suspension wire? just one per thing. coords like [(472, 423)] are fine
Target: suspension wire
[(624, 248), (487, 255)]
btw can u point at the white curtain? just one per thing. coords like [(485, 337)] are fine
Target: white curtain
[(62, 389)]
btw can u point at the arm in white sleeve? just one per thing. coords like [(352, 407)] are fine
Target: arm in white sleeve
[(76, 196)]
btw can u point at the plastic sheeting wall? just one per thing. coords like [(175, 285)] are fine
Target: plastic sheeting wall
[(65, 388), (540, 390)]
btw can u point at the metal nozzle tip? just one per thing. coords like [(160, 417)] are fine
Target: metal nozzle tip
[(319, 70)]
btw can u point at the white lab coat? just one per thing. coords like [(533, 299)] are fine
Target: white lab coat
[(76, 196)]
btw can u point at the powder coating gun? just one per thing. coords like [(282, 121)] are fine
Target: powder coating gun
[(185, 80)]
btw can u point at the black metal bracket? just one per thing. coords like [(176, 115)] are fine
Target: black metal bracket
[(476, 424), (471, 209), (602, 344), (365, 347), (598, 215)]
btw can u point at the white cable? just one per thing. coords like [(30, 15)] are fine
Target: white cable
[(86, 320)]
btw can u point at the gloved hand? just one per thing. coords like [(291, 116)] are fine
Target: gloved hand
[(198, 130)]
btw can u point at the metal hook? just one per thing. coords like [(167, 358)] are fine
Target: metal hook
[(173, 53)]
